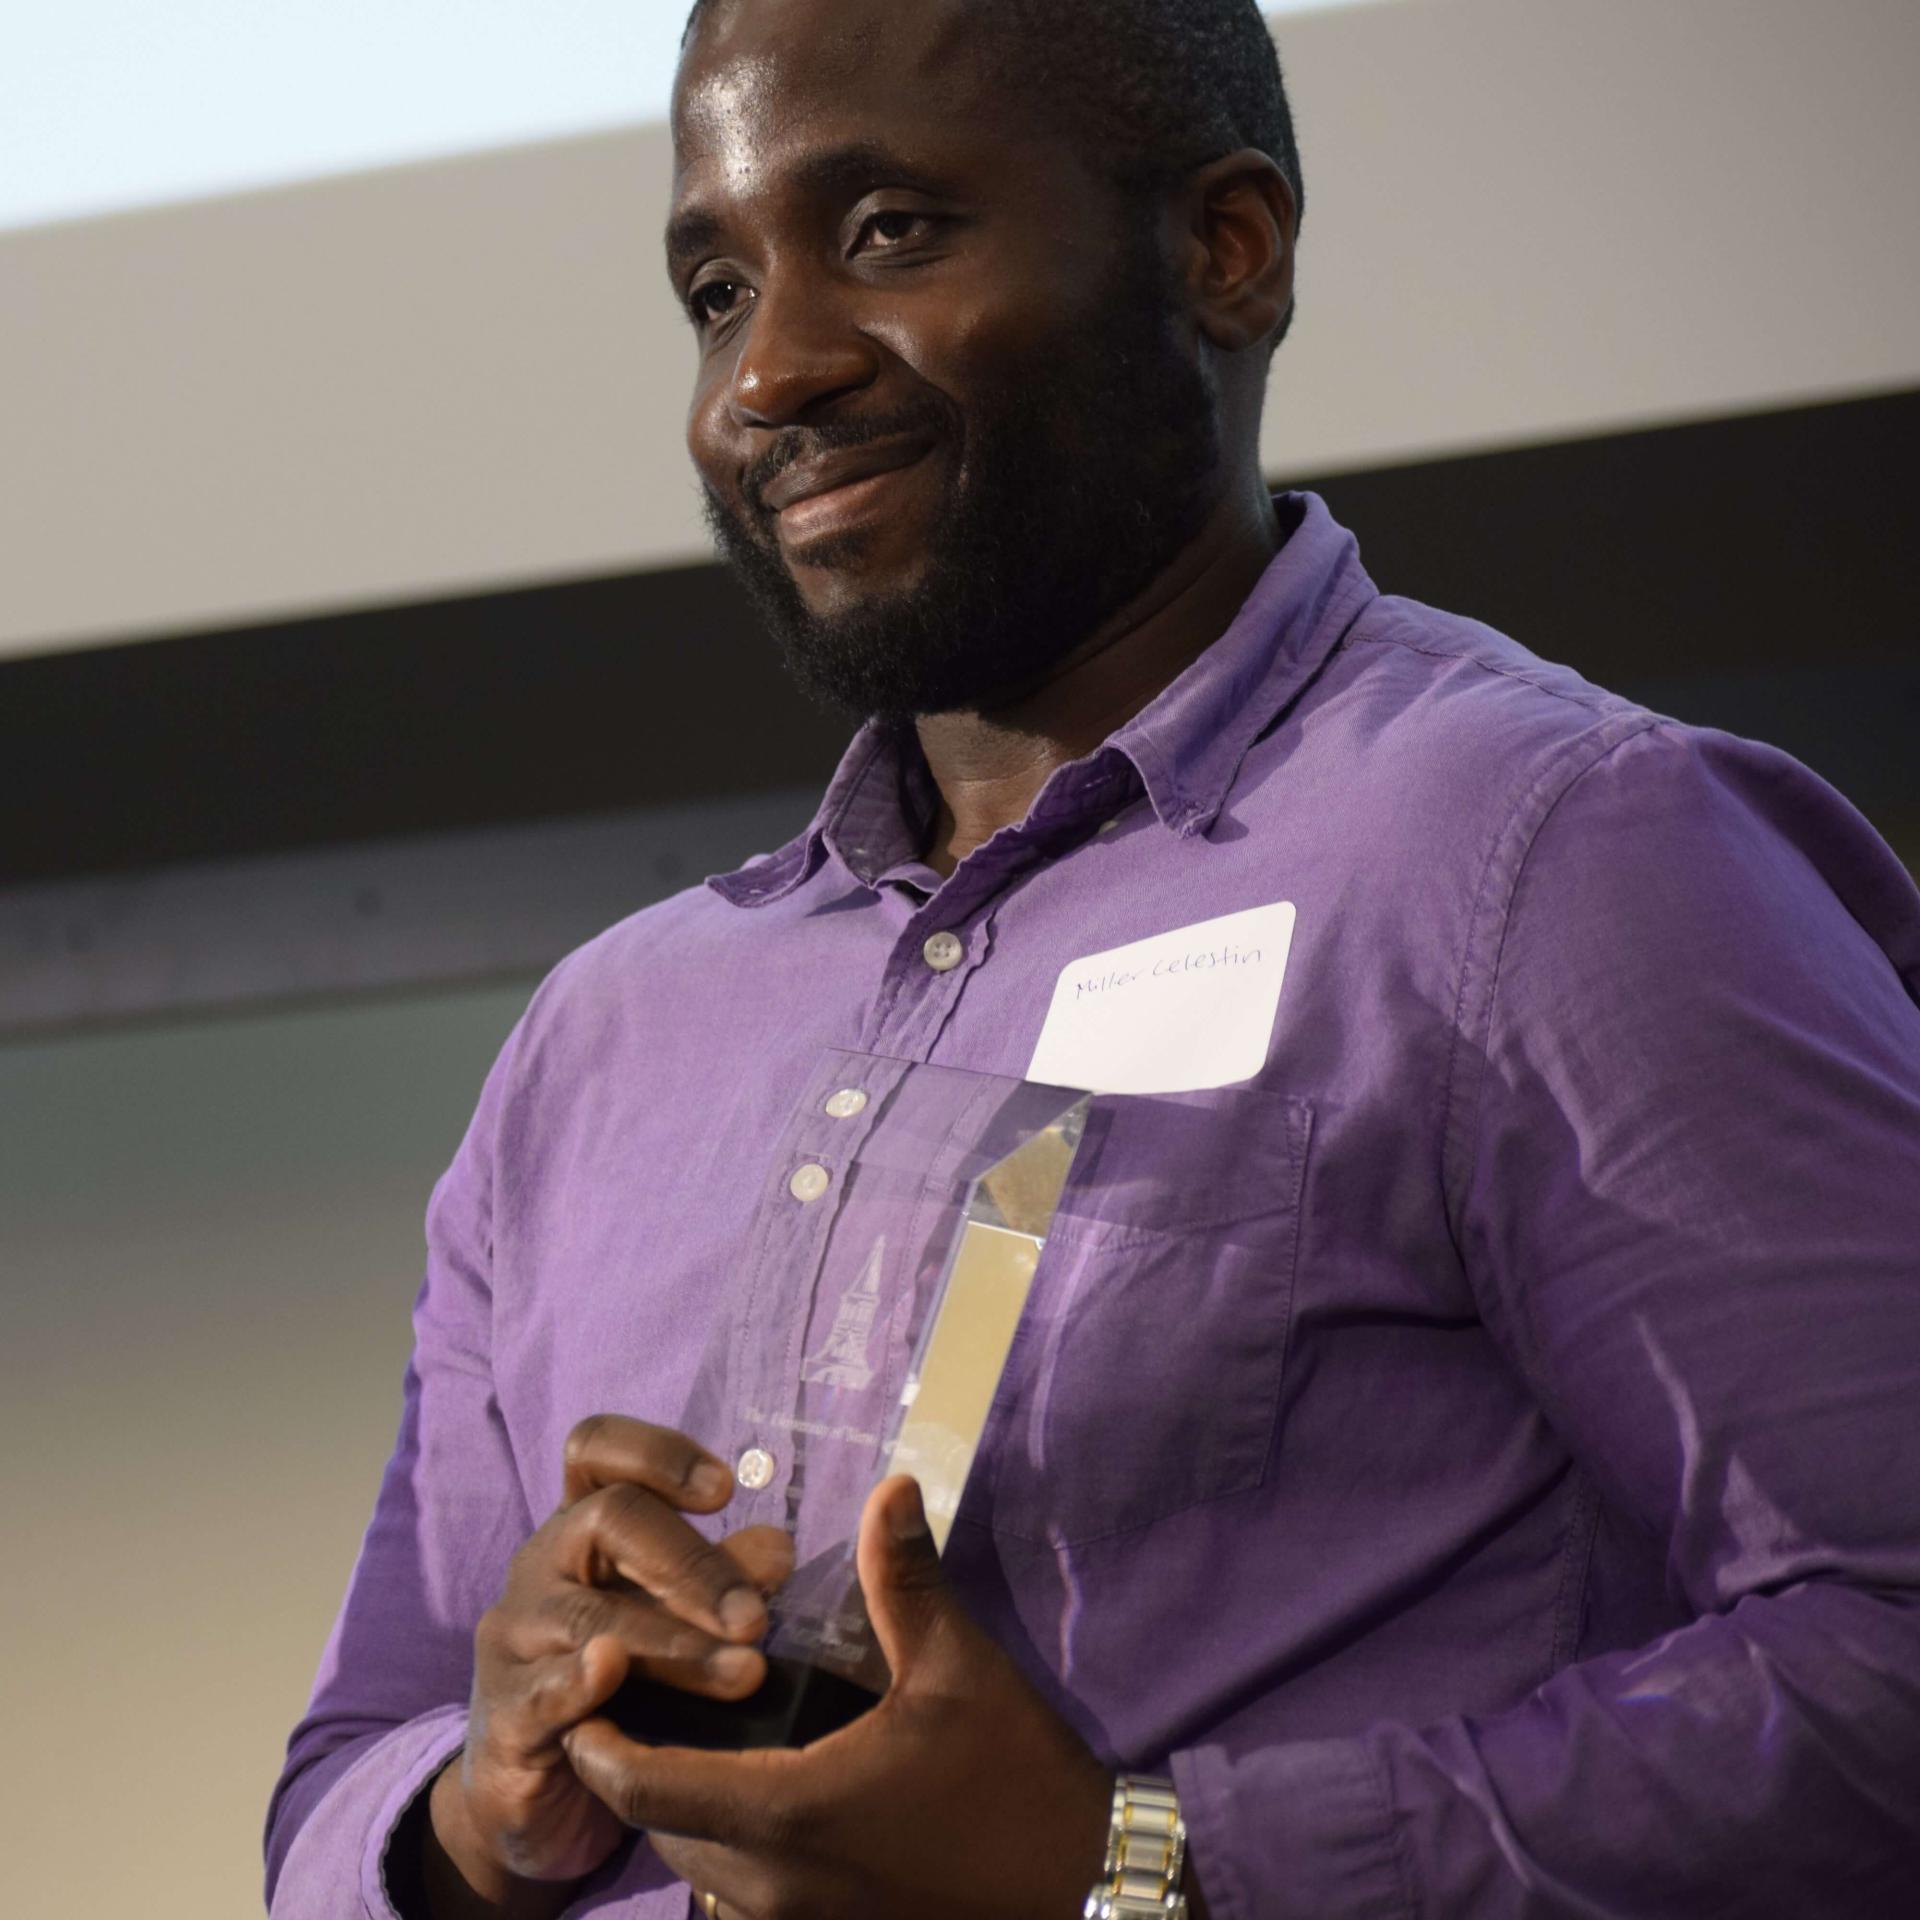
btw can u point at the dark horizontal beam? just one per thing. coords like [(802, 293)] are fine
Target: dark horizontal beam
[(1769, 540), (1754, 567), (639, 690)]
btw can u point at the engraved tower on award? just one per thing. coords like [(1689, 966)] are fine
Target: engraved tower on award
[(875, 1324)]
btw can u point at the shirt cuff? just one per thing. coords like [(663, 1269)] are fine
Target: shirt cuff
[(425, 1746), (334, 1869), (1302, 1831)]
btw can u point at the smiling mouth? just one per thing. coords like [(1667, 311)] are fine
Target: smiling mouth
[(835, 495)]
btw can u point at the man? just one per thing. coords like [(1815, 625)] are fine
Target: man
[(1475, 1459)]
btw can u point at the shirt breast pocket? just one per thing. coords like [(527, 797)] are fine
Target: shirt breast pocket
[(1145, 1377)]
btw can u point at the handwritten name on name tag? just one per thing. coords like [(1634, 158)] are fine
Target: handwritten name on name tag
[(1177, 1013)]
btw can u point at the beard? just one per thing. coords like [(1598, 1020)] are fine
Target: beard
[(1079, 476)]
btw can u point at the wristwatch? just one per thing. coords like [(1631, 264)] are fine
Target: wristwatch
[(1146, 1853)]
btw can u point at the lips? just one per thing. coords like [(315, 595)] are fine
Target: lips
[(834, 492)]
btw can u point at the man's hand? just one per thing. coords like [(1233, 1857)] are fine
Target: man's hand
[(961, 1796), (616, 1582)]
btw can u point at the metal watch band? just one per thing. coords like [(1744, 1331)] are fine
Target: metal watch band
[(1146, 1854)]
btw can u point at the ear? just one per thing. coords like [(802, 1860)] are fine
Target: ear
[(1240, 219)]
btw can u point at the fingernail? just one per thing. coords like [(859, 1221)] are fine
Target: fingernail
[(731, 1664), (709, 1481), (908, 1517), (743, 1611)]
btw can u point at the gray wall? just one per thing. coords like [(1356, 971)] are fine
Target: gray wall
[(210, 1236)]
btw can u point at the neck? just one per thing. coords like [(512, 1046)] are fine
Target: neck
[(990, 765)]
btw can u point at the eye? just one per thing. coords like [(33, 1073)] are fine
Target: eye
[(714, 300), (891, 228)]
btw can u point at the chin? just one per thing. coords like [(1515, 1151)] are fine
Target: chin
[(832, 581)]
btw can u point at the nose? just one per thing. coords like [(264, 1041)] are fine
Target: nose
[(800, 351)]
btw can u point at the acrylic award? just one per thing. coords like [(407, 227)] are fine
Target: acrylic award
[(890, 1259)]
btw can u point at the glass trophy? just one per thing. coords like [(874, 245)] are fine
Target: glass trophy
[(892, 1252)]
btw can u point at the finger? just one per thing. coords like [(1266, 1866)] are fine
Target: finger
[(741, 1882), (626, 1533), (913, 1609), (651, 1640), (604, 1667), (763, 1554), (743, 1800), (724, 1673), (728, 1673), (608, 1449), (554, 1694)]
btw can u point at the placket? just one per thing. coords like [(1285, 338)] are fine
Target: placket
[(800, 1202), (943, 944)]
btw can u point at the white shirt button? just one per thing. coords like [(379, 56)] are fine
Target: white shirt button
[(846, 1103), (809, 1183), (754, 1469), (944, 952)]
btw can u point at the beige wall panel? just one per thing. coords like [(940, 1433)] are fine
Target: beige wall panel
[(1527, 219), (1531, 219), (382, 387)]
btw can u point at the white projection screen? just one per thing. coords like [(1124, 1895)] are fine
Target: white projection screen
[(326, 305)]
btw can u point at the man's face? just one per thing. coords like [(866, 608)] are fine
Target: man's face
[(947, 416)]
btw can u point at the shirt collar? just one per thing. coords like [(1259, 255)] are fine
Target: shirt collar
[(1183, 750)]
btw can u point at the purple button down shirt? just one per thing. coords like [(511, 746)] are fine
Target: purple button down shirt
[(1480, 1459)]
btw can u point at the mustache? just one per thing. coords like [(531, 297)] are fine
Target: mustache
[(795, 444)]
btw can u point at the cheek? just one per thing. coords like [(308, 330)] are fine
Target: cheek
[(961, 343)]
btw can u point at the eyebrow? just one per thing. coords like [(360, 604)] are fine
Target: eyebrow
[(693, 232), (837, 173)]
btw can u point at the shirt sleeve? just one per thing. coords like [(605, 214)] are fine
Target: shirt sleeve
[(389, 1704), (1686, 1107)]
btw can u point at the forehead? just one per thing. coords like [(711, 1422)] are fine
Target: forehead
[(763, 81)]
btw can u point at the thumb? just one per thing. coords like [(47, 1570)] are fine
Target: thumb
[(913, 1609)]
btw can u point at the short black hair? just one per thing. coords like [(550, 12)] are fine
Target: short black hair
[(1154, 87)]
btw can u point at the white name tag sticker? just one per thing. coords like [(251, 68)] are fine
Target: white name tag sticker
[(1177, 1013)]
